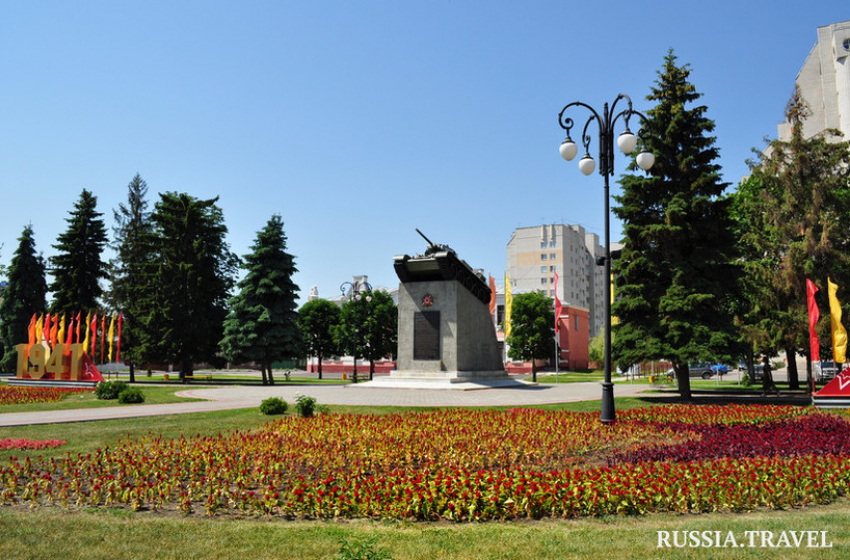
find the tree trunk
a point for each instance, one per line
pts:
(683, 379)
(793, 379)
(767, 384)
(271, 376)
(263, 372)
(132, 372)
(319, 357)
(371, 368)
(533, 371)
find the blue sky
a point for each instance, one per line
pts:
(360, 121)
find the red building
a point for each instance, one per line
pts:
(574, 338)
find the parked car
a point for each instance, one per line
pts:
(826, 371)
(699, 369)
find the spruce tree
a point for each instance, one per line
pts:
(25, 296)
(675, 274)
(318, 319)
(130, 288)
(262, 325)
(190, 278)
(78, 268)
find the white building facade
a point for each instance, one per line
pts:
(824, 83)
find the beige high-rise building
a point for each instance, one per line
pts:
(824, 83)
(536, 253)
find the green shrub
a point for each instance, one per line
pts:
(131, 395)
(361, 549)
(305, 406)
(273, 405)
(108, 390)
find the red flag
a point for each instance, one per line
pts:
(102, 337)
(558, 307)
(118, 342)
(93, 332)
(45, 330)
(79, 315)
(814, 315)
(69, 336)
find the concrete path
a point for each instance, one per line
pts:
(234, 397)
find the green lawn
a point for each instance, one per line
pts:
(111, 534)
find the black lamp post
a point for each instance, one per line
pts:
(355, 293)
(627, 143)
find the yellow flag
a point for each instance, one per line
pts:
(88, 332)
(60, 338)
(508, 304)
(111, 334)
(39, 329)
(839, 335)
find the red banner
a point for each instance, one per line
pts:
(814, 315)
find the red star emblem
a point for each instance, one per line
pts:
(427, 300)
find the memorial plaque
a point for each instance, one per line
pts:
(426, 335)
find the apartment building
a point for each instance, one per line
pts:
(536, 253)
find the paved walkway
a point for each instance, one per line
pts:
(235, 397)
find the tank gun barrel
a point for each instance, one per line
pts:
(431, 243)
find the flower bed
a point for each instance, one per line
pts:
(10, 443)
(464, 465)
(30, 395)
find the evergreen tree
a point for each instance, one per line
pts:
(25, 296)
(381, 328)
(674, 277)
(133, 244)
(78, 268)
(262, 324)
(532, 329)
(800, 201)
(318, 319)
(190, 277)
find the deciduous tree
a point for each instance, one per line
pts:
(318, 319)
(532, 329)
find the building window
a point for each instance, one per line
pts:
(552, 268)
(542, 256)
(542, 280)
(576, 322)
(543, 268)
(552, 280)
(542, 244)
(552, 243)
(552, 256)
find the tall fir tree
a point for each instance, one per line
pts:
(25, 296)
(78, 267)
(799, 198)
(262, 325)
(318, 319)
(190, 279)
(675, 274)
(134, 253)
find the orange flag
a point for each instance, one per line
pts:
(39, 329)
(31, 329)
(45, 331)
(111, 334)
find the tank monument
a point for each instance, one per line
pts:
(446, 336)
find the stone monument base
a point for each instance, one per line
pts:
(453, 380)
